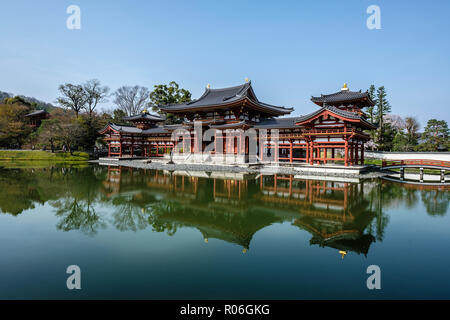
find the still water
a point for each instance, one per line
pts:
(198, 235)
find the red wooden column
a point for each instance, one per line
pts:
(307, 151)
(290, 151)
(109, 149)
(318, 155)
(357, 153)
(325, 155)
(351, 154)
(276, 152)
(346, 152)
(194, 142)
(215, 142)
(362, 154)
(261, 147)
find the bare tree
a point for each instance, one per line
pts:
(73, 97)
(395, 121)
(95, 94)
(131, 99)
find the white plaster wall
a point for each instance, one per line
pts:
(442, 156)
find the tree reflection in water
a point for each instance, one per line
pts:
(342, 215)
(78, 215)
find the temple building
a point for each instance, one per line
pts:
(231, 125)
(35, 118)
(337, 125)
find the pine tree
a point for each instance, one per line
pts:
(383, 108)
(435, 136)
(371, 109)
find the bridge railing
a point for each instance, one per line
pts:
(415, 162)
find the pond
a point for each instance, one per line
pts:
(207, 235)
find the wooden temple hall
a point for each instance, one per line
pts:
(231, 125)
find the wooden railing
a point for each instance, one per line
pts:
(415, 162)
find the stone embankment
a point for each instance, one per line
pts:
(332, 171)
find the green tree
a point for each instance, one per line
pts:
(13, 128)
(118, 115)
(400, 142)
(167, 95)
(20, 101)
(435, 136)
(89, 127)
(49, 133)
(71, 135)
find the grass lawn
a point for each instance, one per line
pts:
(28, 155)
(373, 161)
(39, 164)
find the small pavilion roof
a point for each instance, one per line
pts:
(133, 130)
(36, 113)
(352, 116)
(145, 116)
(216, 98)
(343, 96)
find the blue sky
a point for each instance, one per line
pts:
(289, 49)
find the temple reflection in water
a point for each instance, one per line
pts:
(233, 207)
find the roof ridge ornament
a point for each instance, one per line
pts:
(344, 88)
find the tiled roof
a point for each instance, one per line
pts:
(342, 96)
(125, 129)
(35, 113)
(225, 96)
(155, 130)
(337, 111)
(230, 125)
(277, 123)
(145, 116)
